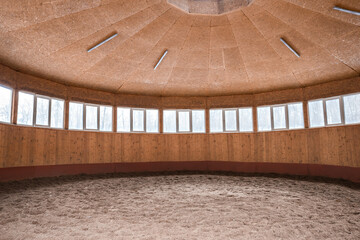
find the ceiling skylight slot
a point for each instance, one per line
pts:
(101, 43)
(289, 47)
(346, 10)
(162, 57)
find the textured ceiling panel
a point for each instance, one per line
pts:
(232, 53)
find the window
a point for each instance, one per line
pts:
(137, 120)
(90, 117)
(245, 120)
(123, 119)
(57, 113)
(76, 116)
(333, 113)
(216, 120)
(42, 111)
(352, 108)
(152, 120)
(327, 112)
(91, 114)
(184, 121)
(5, 104)
(231, 120)
(106, 118)
(280, 117)
(198, 121)
(169, 124)
(264, 118)
(316, 113)
(25, 109)
(296, 115)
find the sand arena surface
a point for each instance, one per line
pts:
(194, 206)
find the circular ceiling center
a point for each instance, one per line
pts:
(209, 6)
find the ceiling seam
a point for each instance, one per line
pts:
(237, 46)
(77, 41)
(56, 18)
(321, 13)
(281, 59)
(319, 46)
(129, 37)
(182, 46)
(153, 45)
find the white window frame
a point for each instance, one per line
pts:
(237, 110)
(286, 105)
(35, 111)
(343, 108)
(85, 114)
(132, 119)
(178, 122)
(11, 105)
(286, 117)
(252, 119)
(112, 120)
(117, 112)
(145, 117)
(36, 96)
(224, 120)
(342, 112)
(84, 117)
(190, 121)
(63, 125)
(271, 118)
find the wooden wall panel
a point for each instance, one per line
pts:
(27, 146)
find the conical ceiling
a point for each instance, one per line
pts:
(234, 53)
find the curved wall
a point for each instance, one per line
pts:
(27, 152)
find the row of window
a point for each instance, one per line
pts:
(36, 110)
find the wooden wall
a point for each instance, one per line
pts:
(29, 146)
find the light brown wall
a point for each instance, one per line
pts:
(29, 146)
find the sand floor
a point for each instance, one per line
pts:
(195, 206)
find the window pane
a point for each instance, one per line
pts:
(5, 104)
(152, 120)
(76, 116)
(230, 120)
(198, 121)
(106, 116)
(333, 111)
(316, 113)
(25, 109)
(216, 120)
(264, 118)
(169, 121)
(296, 115)
(279, 117)
(352, 109)
(184, 121)
(57, 113)
(246, 119)
(42, 111)
(91, 117)
(138, 120)
(123, 119)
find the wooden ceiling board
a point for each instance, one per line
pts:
(234, 53)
